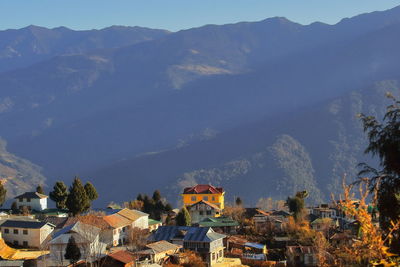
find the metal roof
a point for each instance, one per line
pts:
(185, 233)
(162, 246)
(218, 222)
(25, 224)
(31, 195)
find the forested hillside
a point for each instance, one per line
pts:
(272, 103)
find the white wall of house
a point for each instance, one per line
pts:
(38, 204)
(141, 223)
(33, 238)
(89, 250)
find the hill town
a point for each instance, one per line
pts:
(204, 231)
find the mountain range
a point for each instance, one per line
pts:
(262, 108)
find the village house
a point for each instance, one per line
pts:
(32, 234)
(158, 252)
(120, 258)
(306, 256)
(341, 239)
(117, 226)
(32, 201)
(203, 240)
(209, 193)
(203, 209)
(86, 236)
(242, 248)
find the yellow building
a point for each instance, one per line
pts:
(209, 193)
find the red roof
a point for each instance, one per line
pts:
(203, 189)
(122, 256)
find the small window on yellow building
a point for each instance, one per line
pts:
(193, 198)
(213, 198)
(205, 198)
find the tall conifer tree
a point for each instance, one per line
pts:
(59, 195)
(77, 201)
(3, 193)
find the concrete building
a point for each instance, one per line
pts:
(33, 234)
(32, 201)
(212, 194)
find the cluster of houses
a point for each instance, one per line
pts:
(127, 237)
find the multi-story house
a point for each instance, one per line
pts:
(86, 236)
(209, 193)
(204, 240)
(32, 201)
(203, 209)
(117, 226)
(33, 234)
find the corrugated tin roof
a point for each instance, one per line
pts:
(162, 246)
(25, 224)
(116, 220)
(31, 195)
(218, 222)
(132, 215)
(203, 189)
(86, 231)
(122, 256)
(186, 233)
(254, 245)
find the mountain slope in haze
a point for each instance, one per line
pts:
(78, 112)
(17, 174)
(23, 47)
(310, 149)
(126, 119)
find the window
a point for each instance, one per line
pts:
(25, 232)
(28, 200)
(194, 198)
(201, 212)
(6, 231)
(213, 256)
(15, 242)
(21, 199)
(208, 212)
(25, 243)
(123, 229)
(205, 198)
(16, 231)
(213, 198)
(220, 253)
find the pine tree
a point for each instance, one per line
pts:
(59, 195)
(40, 190)
(139, 197)
(238, 201)
(3, 192)
(72, 252)
(77, 201)
(183, 217)
(91, 191)
(156, 196)
(14, 208)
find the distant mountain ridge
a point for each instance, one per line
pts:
(87, 112)
(23, 47)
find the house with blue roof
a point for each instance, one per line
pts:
(203, 240)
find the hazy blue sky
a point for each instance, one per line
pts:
(176, 14)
